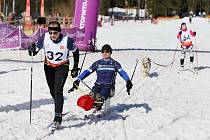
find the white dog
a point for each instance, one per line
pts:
(145, 66)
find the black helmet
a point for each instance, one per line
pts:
(106, 48)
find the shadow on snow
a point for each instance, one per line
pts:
(201, 68)
(154, 74)
(112, 115)
(26, 105)
(3, 72)
(19, 61)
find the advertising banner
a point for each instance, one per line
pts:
(5, 29)
(18, 39)
(11, 41)
(86, 18)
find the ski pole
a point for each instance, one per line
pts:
(83, 62)
(134, 69)
(174, 56)
(86, 85)
(31, 85)
(72, 89)
(196, 52)
(133, 74)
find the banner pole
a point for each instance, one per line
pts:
(20, 41)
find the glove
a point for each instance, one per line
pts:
(75, 86)
(194, 33)
(129, 85)
(32, 49)
(74, 72)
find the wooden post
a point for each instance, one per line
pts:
(0, 6)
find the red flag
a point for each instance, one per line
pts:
(28, 8)
(42, 8)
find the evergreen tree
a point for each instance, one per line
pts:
(155, 7)
(104, 6)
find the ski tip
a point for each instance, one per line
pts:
(192, 71)
(124, 118)
(52, 132)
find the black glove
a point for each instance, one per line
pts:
(74, 72)
(129, 85)
(194, 33)
(75, 85)
(32, 49)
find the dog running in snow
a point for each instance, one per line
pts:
(145, 66)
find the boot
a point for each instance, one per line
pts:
(191, 62)
(191, 65)
(55, 125)
(181, 65)
(181, 68)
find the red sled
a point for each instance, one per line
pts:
(86, 102)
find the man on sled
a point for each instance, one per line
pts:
(103, 89)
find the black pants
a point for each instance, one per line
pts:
(102, 90)
(56, 78)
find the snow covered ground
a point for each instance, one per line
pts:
(164, 106)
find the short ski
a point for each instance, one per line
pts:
(63, 114)
(193, 71)
(96, 114)
(49, 133)
(190, 70)
(91, 116)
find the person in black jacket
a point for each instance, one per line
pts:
(56, 64)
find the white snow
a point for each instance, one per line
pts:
(164, 106)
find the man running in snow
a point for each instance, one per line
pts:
(56, 64)
(106, 70)
(185, 37)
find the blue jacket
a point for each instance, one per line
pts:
(106, 70)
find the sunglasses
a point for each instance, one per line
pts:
(53, 33)
(105, 52)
